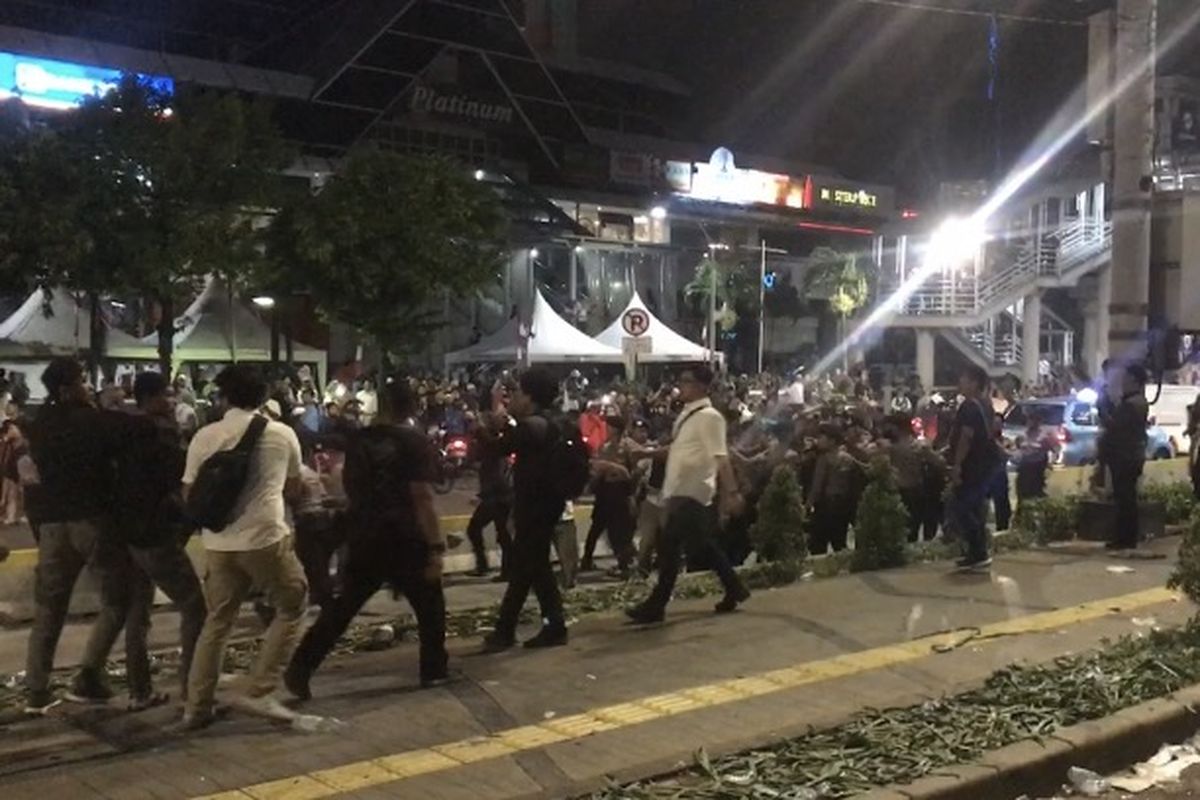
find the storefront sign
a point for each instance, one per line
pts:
(47, 83)
(630, 169)
(431, 101)
(835, 193)
(722, 181)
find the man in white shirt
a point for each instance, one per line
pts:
(254, 552)
(697, 456)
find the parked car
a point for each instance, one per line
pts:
(1076, 424)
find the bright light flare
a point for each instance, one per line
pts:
(1055, 142)
(658, 212)
(954, 242)
(264, 301)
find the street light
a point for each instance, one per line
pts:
(956, 240)
(264, 301)
(479, 174)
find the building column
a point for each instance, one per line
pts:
(1104, 286)
(1091, 337)
(1031, 335)
(925, 364)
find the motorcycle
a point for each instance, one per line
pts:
(453, 453)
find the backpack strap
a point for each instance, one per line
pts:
(253, 433)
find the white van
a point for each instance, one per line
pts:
(1171, 412)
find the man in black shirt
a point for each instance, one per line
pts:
(495, 493)
(394, 538)
(149, 472)
(73, 446)
(1122, 446)
(535, 514)
(974, 458)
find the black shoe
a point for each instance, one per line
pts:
(88, 688)
(479, 572)
(969, 564)
(38, 704)
(548, 637)
(496, 642)
(730, 602)
(501, 578)
(643, 615)
(296, 681)
(435, 679)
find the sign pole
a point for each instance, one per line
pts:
(762, 303)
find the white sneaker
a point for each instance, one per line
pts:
(266, 706)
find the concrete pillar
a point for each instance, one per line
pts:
(1133, 148)
(1104, 289)
(1031, 330)
(925, 351)
(1091, 337)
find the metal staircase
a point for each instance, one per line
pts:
(978, 309)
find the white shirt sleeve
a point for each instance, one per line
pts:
(197, 452)
(294, 458)
(712, 433)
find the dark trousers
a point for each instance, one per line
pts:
(967, 513)
(998, 494)
(318, 537)
(914, 504)
(612, 513)
(530, 569)
(689, 525)
(830, 525)
(368, 567)
(1125, 474)
(168, 567)
(494, 511)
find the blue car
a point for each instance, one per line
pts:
(1075, 423)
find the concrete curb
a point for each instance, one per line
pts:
(1039, 769)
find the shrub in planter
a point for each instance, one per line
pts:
(1187, 569)
(881, 529)
(1176, 499)
(778, 532)
(1048, 519)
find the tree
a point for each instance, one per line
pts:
(154, 192)
(881, 528)
(778, 532)
(844, 281)
(385, 237)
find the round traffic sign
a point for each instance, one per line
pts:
(635, 321)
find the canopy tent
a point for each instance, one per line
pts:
(56, 323)
(552, 340)
(665, 344)
(217, 328)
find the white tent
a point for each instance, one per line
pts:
(665, 344)
(216, 328)
(58, 324)
(552, 340)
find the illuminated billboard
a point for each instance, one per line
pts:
(47, 83)
(720, 180)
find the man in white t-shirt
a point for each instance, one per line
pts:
(696, 459)
(254, 552)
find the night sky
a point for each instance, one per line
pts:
(880, 93)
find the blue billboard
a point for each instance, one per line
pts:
(47, 83)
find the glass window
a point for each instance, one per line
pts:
(1084, 414)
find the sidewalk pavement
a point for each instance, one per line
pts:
(618, 700)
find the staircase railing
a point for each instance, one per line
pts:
(1052, 259)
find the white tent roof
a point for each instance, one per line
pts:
(59, 325)
(213, 329)
(665, 344)
(552, 340)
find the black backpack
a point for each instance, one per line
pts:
(569, 463)
(221, 479)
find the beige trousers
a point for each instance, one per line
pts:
(229, 577)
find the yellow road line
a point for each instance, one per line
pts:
(443, 757)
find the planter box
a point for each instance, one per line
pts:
(1098, 519)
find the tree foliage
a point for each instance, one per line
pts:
(778, 532)
(841, 278)
(143, 192)
(384, 239)
(881, 528)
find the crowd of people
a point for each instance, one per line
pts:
(345, 475)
